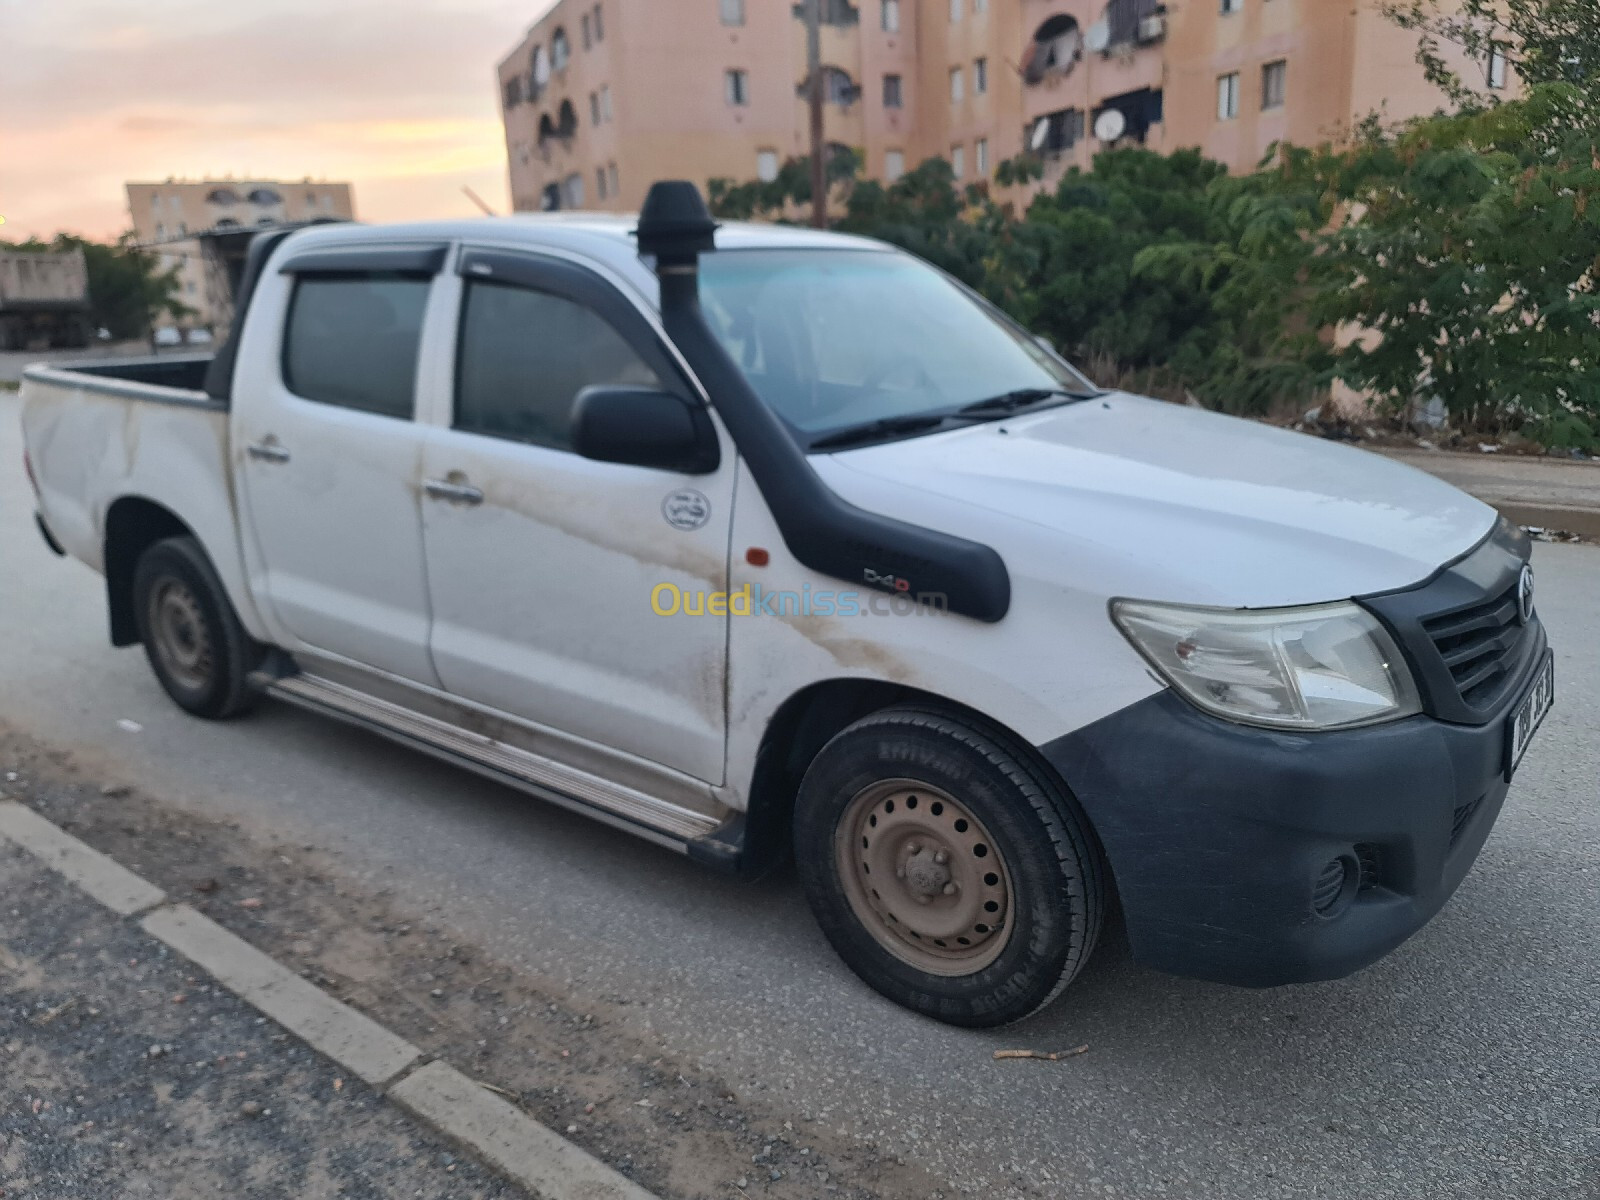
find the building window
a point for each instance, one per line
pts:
(594, 108)
(605, 103)
(560, 50)
(1274, 84)
(599, 25)
(980, 157)
(611, 178)
(891, 16)
(957, 85)
(574, 191)
(588, 24)
(1232, 6)
(600, 182)
(980, 76)
(955, 11)
(1228, 96)
(736, 87)
(893, 95)
(980, 6)
(1495, 74)
(894, 165)
(538, 73)
(766, 165)
(958, 161)
(513, 88)
(837, 87)
(733, 12)
(161, 233)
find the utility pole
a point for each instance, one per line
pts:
(819, 166)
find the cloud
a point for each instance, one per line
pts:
(384, 93)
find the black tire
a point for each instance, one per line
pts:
(1048, 890)
(192, 637)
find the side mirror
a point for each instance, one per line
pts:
(641, 427)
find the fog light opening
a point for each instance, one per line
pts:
(1336, 885)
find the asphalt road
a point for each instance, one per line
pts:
(128, 1073)
(1467, 1064)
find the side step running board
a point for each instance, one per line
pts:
(633, 811)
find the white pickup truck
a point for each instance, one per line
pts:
(763, 541)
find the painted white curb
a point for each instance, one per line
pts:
(118, 888)
(351, 1039)
(544, 1162)
(530, 1154)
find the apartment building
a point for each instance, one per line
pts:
(603, 97)
(168, 216)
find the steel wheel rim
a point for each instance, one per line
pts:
(924, 877)
(178, 631)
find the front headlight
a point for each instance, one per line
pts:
(1321, 667)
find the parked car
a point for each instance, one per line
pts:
(764, 540)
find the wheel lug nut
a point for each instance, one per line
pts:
(942, 857)
(914, 848)
(949, 889)
(900, 873)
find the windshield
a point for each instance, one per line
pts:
(834, 339)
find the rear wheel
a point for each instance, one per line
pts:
(192, 637)
(949, 871)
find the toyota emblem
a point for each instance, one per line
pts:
(1525, 595)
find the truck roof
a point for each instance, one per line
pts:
(604, 237)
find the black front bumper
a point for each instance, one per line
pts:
(1218, 834)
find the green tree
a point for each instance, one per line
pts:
(1470, 252)
(128, 289)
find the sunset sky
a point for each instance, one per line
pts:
(396, 96)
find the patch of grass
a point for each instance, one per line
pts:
(9, 385)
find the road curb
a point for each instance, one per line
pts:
(530, 1154)
(329, 1026)
(109, 882)
(546, 1163)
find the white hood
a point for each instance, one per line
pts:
(1156, 498)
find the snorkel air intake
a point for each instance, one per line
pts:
(822, 530)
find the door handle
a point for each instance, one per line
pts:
(452, 490)
(267, 450)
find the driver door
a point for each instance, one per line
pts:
(543, 565)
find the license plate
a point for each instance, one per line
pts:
(1531, 712)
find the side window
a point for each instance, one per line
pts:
(353, 340)
(524, 356)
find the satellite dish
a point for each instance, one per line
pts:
(1098, 37)
(1041, 134)
(541, 68)
(1110, 125)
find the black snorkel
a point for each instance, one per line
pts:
(822, 530)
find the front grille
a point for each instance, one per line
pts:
(1461, 631)
(1480, 646)
(1369, 859)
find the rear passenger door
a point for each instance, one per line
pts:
(330, 453)
(541, 563)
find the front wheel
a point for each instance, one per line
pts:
(948, 870)
(198, 650)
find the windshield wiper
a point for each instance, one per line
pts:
(883, 427)
(1008, 402)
